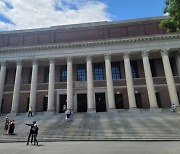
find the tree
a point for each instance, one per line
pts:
(172, 8)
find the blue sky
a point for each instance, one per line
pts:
(25, 14)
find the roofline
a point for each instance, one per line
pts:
(87, 25)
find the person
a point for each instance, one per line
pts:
(11, 127)
(30, 111)
(6, 126)
(64, 107)
(67, 114)
(31, 132)
(173, 107)
(35, 133)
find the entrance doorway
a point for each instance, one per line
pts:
(158, 98)
(45, 103)
(27, 106)
(119, 101)
(138, 100)
(81, 102)
(62, 102)
(100, 102)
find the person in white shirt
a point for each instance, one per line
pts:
(173, 107)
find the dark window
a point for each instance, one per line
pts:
(81, 73)
(45, 103)
(153, 68)
(30, 75)
(115, 71)
(46, 74)
(134, 69)
(98, 72)
(2, 105)
(63, 74)
(172, 65)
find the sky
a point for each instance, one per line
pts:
(28, 14)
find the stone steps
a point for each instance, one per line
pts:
(141, 125)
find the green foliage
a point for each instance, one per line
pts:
(172, 8)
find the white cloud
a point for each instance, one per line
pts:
(44, 13)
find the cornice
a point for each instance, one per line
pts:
(92, 43)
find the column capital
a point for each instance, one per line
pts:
(126, 55)
(69, 59)
(52, 60)
(35, 61)
(164, 52)
(3, 63)
(19, 62)
(107, 56)
(88, 57)
(145, 53)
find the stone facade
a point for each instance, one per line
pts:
(32, 60)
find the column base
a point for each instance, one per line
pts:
(11, 114)
(91, 111)
(134, 109)
(112, 110)
(155, 109)
(49, 113)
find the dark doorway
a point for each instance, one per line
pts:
(2, 106)
(62, 102)
(138, 100)
(100, 102)
(119, 101)
(158, 98)
(45, 103)
(81, 103)
(27, 106)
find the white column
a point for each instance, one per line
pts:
(169, 77)
(110, 90)
(2, 81)
(69, 84)
(51, 85)
(178, 62)
(90, 87)
(129, 81)
(149, 80)
(33, 85)
(17, 84)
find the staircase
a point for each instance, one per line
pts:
(119, 125)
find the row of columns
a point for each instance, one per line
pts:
(90, 91)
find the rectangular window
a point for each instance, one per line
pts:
(172, 65)
(81, 72)
(134, 69)
(30, 75)
(46, 74)
(63, 74)
(153, 68)
(115, 68)
(98, 72)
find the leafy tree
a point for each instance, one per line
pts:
(172, 8)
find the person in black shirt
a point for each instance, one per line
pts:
(31, 132)
(35, 133)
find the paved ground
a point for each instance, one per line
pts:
(98, 147)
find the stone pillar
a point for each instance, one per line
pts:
(169, 77)
(51, 85)
(110, 90)
(90, 87)
(149, 80)
(129, 81)
(33, 85)
(17, 84)
(69, 84)
(178, 62)
(2, 81)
